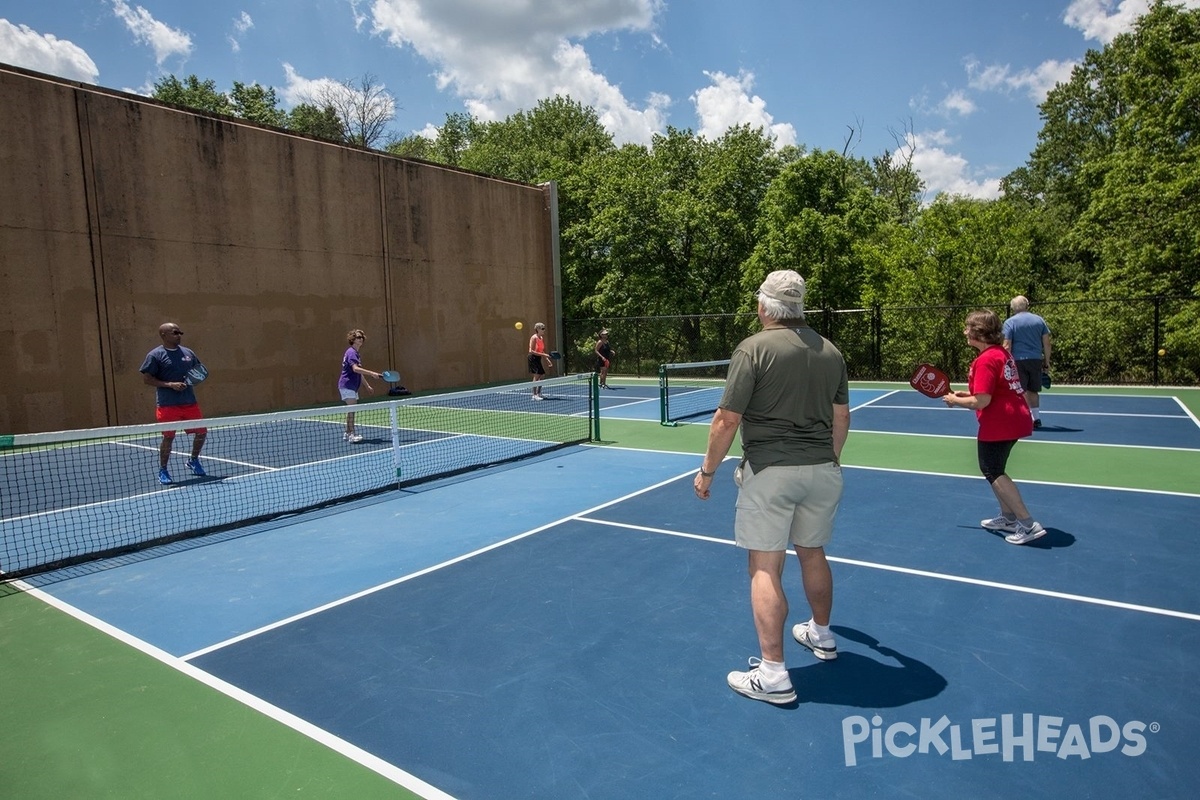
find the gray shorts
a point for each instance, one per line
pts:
(786, 504)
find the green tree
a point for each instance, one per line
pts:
(534, 146)
(814, 215)
(1116, 174)
(193, 93)
(318, 121)
(258, 104)
(667, 229)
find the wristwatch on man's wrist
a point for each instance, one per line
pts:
(704, 474)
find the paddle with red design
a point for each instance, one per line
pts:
(929, 381)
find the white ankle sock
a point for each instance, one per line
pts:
(773, 669)
(822, 631)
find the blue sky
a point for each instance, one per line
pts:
(955, 82)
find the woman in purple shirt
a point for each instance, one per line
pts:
(351, 378)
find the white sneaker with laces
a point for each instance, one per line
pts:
(824, 649)
(1000, 523)
(755, 685)
(352, 438)
(1023, 535)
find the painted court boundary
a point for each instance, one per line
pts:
(319, 735)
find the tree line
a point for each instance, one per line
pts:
(1104, 209)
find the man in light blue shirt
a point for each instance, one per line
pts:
(1027, 337)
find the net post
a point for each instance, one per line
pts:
(594, 385)
(664, 411)
(394, 424)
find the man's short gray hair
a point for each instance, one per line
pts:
(777, 309)
(1019, 303)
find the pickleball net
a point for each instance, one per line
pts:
(690, 389)
(73, 496)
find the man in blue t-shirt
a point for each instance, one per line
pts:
(1027, 337)
(166, 369)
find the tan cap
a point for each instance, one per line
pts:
(784, 285)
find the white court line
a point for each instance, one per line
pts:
(302, 726)
(1186, 410)
(1165, 612)
(1032, 440)
(875, 400)
(419, 573)
(1098, 487)
(942, 409)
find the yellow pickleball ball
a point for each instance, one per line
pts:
(1162, 352)
(519, 325)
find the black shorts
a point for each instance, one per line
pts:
(1030, 372)
(536, 365)
(993, 458)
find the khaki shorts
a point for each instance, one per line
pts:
(786, 504)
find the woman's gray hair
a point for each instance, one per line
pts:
(777, 309)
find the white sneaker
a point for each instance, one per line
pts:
(754, 684)
(1000, 523)
(352, 438)
(1023, 535)
(824, 649)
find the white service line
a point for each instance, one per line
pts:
(1166, 612)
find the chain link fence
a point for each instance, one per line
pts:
(1132, 341)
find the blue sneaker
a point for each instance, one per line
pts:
(194, 465)
(164, 477)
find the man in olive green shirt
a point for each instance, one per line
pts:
(787, 390)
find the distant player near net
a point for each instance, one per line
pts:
(166, 369)
(539, 360)
(604, 357)
(1027, 337)
(352, 378)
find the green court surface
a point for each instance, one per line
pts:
(86, 713)
(87, 716)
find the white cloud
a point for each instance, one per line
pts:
(1036, 83)
(302, 90)
(163, 39)
(241, 23)
(360, 18)
(503, 57)
(22, 46)
(1097, 20)
(727, 102)
(946, 172)
(957, 102)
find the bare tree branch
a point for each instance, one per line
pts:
(363, 105)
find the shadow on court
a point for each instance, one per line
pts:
(860, 681)
(1054, 539)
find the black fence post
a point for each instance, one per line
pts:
(876, 342)
(1157, 338)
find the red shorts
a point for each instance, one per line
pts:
(179, 414)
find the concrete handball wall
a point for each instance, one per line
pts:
(119, 213)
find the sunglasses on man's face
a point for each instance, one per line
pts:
(177, 333)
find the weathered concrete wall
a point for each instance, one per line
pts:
(119, 213)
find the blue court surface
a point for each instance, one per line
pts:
(1096, 419)
(562, 628)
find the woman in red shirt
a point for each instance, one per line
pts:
(994, 392)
